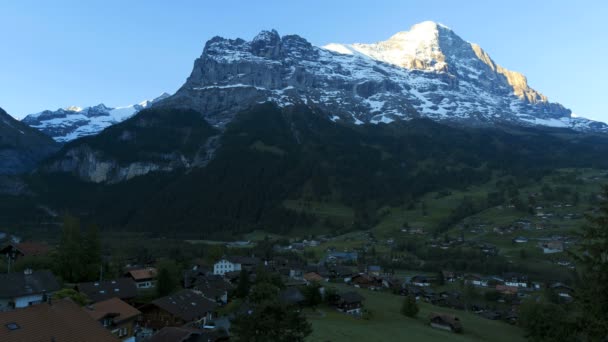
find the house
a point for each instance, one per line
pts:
(16, 251)
(213, 287)
(366, 281)
(445, 321)
(341, 257)
(374, 270)
(552, 247)
(313, 277)
(117, 316)
(183, 334)
(562, 290)
(349, 302)
(520, 239)
(507, 289)
(19, 290)
(177, 309)
(420, 280)
(476, 280)
(449, 276)
(144, 278)
(515, 279)
(232, 264)
(60, 321)
(97, 291)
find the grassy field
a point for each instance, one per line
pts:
(387, 324)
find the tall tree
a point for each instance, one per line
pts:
(271, 322)
(592, 263)
(69, 255)
(243, 285)
(166, 280)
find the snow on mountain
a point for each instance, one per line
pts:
(69, 123)
(428, 71)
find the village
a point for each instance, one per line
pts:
(203, 304)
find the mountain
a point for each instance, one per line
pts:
(69, 123)
(261, 125)
(428, 71)
(21, 147)
(248, 175)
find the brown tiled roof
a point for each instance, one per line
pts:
(313, 276)
(61, 321)
(186, 304)
(115, 307)
(123, 288)
(33, 248)
(447, 318)
(143, 273)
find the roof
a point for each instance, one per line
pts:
(212, 286)
(30, 248)
(447, 318)
(141, 274)
(186, 304)
(61, 321)
(115, 307)
(123, 288)
(312, 276)
(351, 297)
(21, 284)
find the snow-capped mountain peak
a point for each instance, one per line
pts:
(426, 71)
(72, 122)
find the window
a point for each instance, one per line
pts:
(12, 326)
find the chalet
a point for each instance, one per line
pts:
(374, 270)
(562, 290)
(520, 239)
(420, 280)
(515, 279)
(476, 280)
(183, 334)
(16, 251)
(97, 291)
(144, 278)
(20, 290)
(507, 290)
(349, 302)
(177, 309)
(552, 247)
(61, 320)
(445, 321)
(213, 287)
(449, 276)
(231, 264)
(313, 277)
(366, 281)
(341, 257)
(410, 290)
(117, 316)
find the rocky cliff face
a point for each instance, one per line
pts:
(21, 147)
(427, 71)
(67, 124)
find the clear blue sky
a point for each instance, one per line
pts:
(60, 53)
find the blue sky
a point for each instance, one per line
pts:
(61, 53)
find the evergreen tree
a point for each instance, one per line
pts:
(312, 293)
(409, 307)
(271, 321)
(243, 285)
(166, 280)
(70, 254)
(592, 262)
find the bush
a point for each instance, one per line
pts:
(409, 307)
